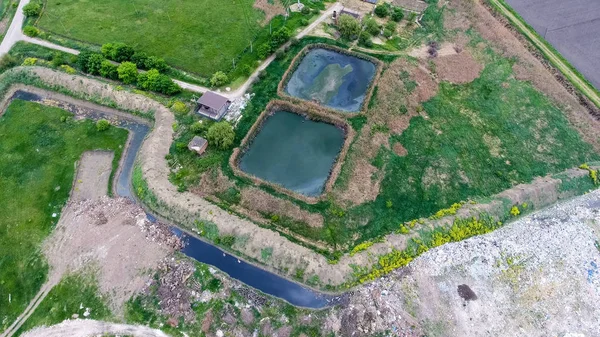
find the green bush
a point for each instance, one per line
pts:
(220, 135)
(95, 62)
(382, 10)
(128, 72)
(68, 69)
(32, 9)
(180, 107)
(219, 79)
(349, 27)
(397, 14)
(365, 40)
(263, 50)
(109, 70)
(102, 125)
(31, 31)
(372, 27)
(305, 10)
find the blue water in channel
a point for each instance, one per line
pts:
(201, 251)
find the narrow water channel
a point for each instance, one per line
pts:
(260, 279)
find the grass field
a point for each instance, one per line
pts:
(37, 153)
(65, 300)
(480, 139)
(198, 36)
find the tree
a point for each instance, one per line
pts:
(148, 80)
(382, 10)
(140, 58)
(219, 79)
(365, 40)
(390, 29)
(153, 62)
(372, 27)
(109, 70)
(82, 60)
(221, 135)
(349, 27)
(31, 31)
(118, 52)
(102, 125)
(127, 72)
(108, 50)
(397, 14)
(95, 63)
(32, 9)
(263, 50)
(279, 37)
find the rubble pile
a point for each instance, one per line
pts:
(175, 296)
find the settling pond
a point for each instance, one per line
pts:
(256, 277)
(333, 79)
(294, 152)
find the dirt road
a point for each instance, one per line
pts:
(15, 34)
(87, 328)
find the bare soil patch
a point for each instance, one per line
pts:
(271, 10)
(457, 68)
(93, 173)
(261, 201)
(111, 234)
(399, 149)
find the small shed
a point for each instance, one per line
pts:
(198, 144)
(213, 105)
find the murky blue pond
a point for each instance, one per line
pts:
(294, 152)
(332, 79)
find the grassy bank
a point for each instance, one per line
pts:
(66, 300)
(38, 148)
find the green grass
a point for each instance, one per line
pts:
(37, 156)
(66, 299)
(199, 36)
(480, 139)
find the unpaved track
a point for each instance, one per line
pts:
(88, 328)
(584, 87)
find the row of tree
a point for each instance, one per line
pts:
(97, 64)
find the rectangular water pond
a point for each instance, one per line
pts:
(294, 152)
(333, 79)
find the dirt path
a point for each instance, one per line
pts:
(88, 328)
(112, 234)
(15, 34)
(554, 58)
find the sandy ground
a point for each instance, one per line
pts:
(88, 328)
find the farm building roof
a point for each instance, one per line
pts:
(350, 12)
(213, 100)
(371, 1)
(197, 143)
